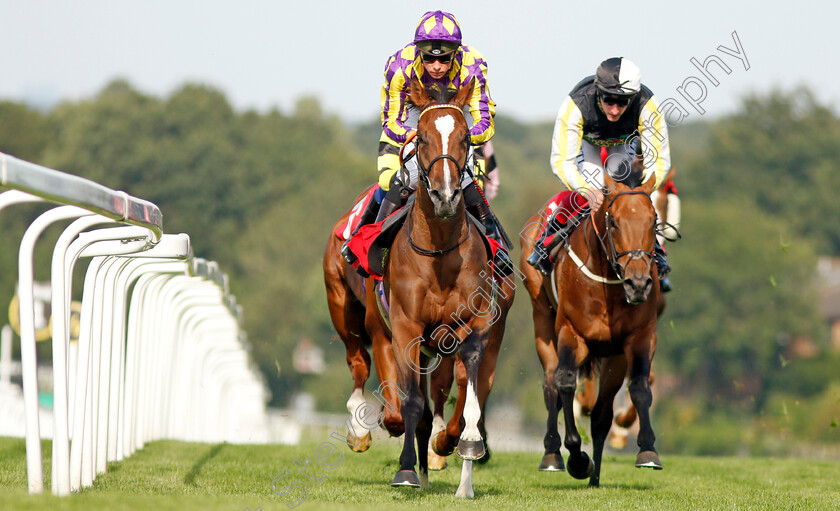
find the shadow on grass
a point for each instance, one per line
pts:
(582, 485)
(189, 479)
(435, 488)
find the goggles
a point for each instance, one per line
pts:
(444, 58)
(616, 100)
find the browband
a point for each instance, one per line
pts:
(435, 107)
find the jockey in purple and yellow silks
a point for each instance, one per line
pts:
(436, 40)
(436, 57)
(610, 112)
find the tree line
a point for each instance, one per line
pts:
(259, 192)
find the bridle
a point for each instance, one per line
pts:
(423, 177)
(609, 248)
(423, 170)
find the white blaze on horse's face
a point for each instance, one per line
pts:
(445, 126)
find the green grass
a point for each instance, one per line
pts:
(170, 475)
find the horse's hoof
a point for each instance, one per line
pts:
(581, 468)
(463, 493)
(484, 459)
(470, 449)
(552, 462)
(618, 438)
(360, 445)
(436, 462)
(648, 459)
(406, 478)
(436, 445)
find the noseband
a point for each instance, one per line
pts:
(609, 249)
(423, 170)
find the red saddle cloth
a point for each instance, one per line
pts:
(372, 254)
(346, 229)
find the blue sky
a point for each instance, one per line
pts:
(268, 54)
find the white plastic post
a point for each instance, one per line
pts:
(61, 284)
(29, 362)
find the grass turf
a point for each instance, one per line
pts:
(180, 476)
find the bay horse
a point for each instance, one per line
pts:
(355, 313)
(600, 321)
(668, 214)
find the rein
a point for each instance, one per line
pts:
(425, 252)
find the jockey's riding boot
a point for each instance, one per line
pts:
(557, 233)
(349, 256)
(386, 208)
(662, 267)
(477, 206)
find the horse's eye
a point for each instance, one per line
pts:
(612, 224)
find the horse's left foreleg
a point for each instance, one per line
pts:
(471, 445)
(579, 466)
(639, 355)
(612, 377)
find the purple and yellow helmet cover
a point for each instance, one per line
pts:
(438, 26)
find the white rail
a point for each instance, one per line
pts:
(160, 351)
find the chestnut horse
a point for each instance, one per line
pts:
(600, 321)
(347, 300)
(429, 295)
(668, 214)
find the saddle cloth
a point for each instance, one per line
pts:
(372, 243)
(346, 229)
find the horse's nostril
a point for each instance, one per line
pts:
(435, 194)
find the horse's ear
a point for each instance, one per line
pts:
(648, 185)
(417, 94)
(609, 182)
(669, 176)
(465, 94)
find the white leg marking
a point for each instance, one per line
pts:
(465, 489)
(437, 426)
(357, 398)
(472, 413)
(445, 125)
